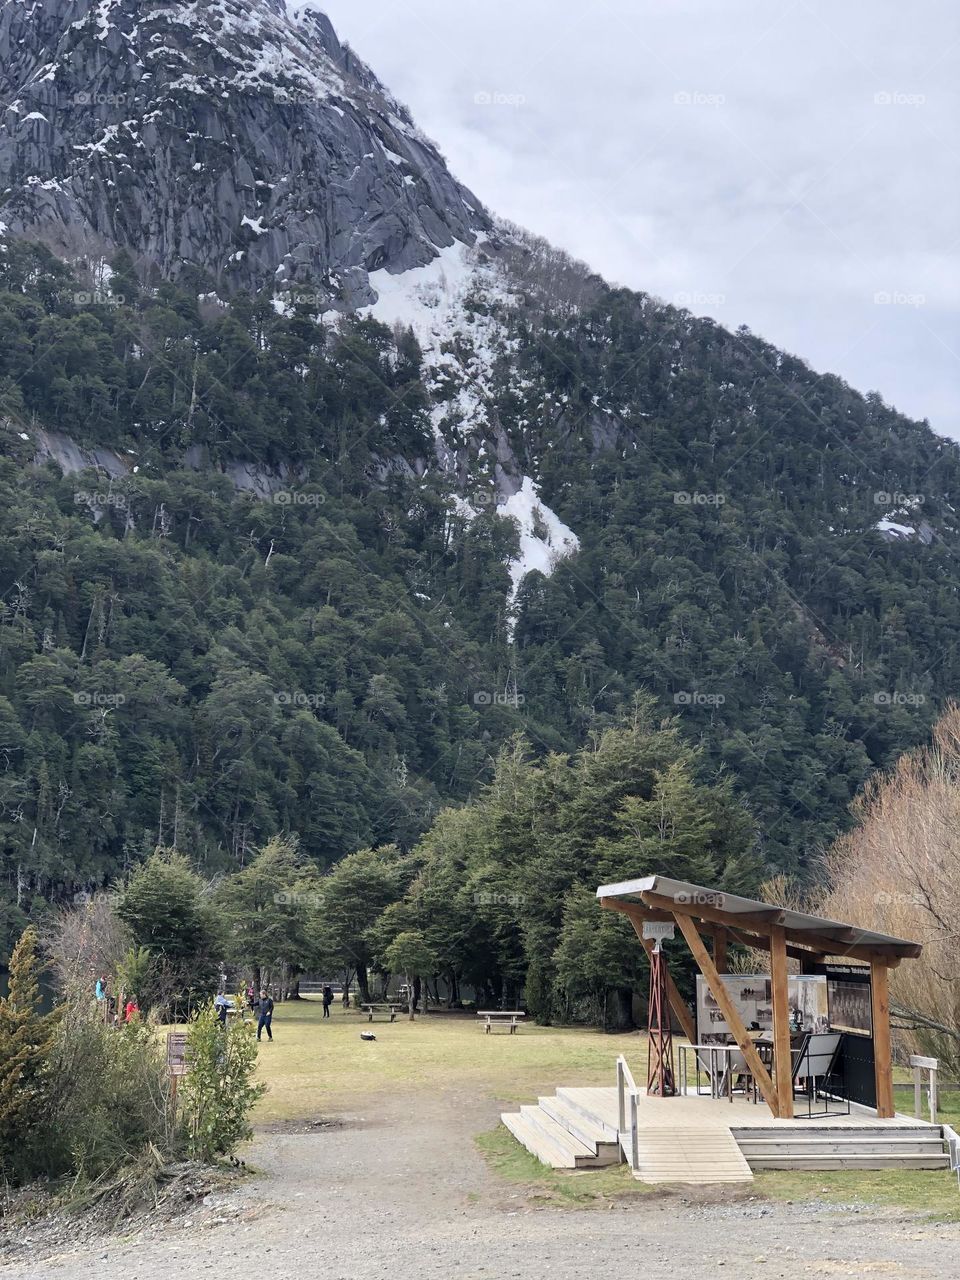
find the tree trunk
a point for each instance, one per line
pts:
(411, 999)
(618, 1010)
(363, 986)
(420, 990)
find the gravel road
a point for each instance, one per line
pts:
(398, 1191)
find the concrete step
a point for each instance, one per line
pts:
(537, 1142)
(849, 1161)
(589, 1131)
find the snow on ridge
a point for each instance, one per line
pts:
(886, 525)
(431, 301)
(544, 539)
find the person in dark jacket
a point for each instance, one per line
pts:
(264, 1008)
(327, 1001)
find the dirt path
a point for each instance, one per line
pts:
(398, 1190)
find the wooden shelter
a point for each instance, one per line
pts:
(704, 914)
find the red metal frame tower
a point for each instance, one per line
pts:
(661, 1081)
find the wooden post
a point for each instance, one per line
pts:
(720, 948)
(677, 1003)
(882, 1046)
(917, 1094)
(782, 1058)
(730, 1013)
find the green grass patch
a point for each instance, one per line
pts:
(576, 1189)
(929, 1191)
(948, 1104)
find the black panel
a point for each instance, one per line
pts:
(856, 1068)
(856, 1051)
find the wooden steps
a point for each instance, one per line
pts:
(597, 1105)
(561, 1136)
(591, 1132)
(831, 1148)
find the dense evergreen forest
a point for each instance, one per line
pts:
(184, 664)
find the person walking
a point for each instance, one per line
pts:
(327, 1000)
(265, 1015)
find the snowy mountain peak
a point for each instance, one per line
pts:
(237, 141)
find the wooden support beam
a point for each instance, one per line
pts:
(782, 1059)
(759, 920)
(628, 908)
(882, 1046)
(730, 1012)
(720, 948)
(802, 943)
(758, 943)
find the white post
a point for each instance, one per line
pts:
(917, 1094)
(933, 1095)
(621, 1096)
(634, 1135)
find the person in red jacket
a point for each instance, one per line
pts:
(132, 1010)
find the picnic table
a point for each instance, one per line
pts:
(500, 1018)
(388, 1012)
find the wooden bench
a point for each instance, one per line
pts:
(387, 1012)
(509, 1018)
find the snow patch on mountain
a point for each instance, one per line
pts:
(454, 306)
(544, 539)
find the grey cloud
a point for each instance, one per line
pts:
(783, 166)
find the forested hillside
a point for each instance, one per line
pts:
(338, 652)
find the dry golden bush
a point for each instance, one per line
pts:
(898, 871)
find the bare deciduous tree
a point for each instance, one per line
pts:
(898, 872)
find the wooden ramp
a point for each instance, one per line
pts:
(699, 1156)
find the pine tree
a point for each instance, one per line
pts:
(26, 1044)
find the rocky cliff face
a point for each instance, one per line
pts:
(238, 139)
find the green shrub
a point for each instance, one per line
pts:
(110, 1094)
(26, 1044)
(219, 1091)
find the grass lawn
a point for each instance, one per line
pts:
(316, 1067)
(927, 1191)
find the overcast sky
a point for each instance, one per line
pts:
(791, 166)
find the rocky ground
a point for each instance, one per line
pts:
(397, 1190)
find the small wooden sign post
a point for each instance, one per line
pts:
(177, 1063)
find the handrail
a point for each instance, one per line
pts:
(626, 1085)
(625, 1081)
(952, 1139)
(930, 1066)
